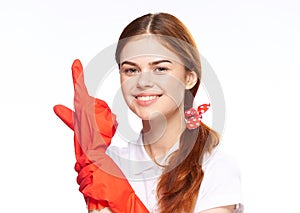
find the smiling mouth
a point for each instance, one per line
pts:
(145, 100)
(147, 97)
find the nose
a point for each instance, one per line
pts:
(145, 79)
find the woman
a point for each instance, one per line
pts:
(176, 155)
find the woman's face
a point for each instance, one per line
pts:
(153, 79)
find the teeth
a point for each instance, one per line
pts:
(147, 98)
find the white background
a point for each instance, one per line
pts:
(253, 47)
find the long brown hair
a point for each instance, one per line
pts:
(180, 182)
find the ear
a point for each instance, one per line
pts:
(191, 79)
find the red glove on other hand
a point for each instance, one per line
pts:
(104, 181)
(94, 125)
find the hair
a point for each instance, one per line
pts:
(179, 184)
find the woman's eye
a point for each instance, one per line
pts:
(130, 71)
(161, 69)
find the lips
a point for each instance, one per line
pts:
(147, 99)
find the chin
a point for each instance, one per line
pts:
(154, 115)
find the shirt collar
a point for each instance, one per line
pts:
(141, 165)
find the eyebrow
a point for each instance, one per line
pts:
(151, 63)
(160, 61)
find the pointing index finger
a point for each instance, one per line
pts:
(78, 78)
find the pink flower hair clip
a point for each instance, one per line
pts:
(193, 117)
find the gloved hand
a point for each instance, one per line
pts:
(94, 125)
(66, 115)
(104, 181)
(97, 120)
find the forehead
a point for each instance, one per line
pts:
(149, 46)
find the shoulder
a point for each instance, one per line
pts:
(221, 185)
(218, 162)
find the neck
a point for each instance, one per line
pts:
(161, 133)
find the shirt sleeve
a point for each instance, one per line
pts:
(221, 185)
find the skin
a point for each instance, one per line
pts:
(158, 73)
(165, 79)
(153, 70)
(224, 209)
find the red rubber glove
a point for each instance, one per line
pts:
(94, 125)
(66, 115)
(100, 121)
(103, 180)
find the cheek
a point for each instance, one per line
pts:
(127, 85)
(173, 87)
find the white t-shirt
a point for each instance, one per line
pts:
(221, 185)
